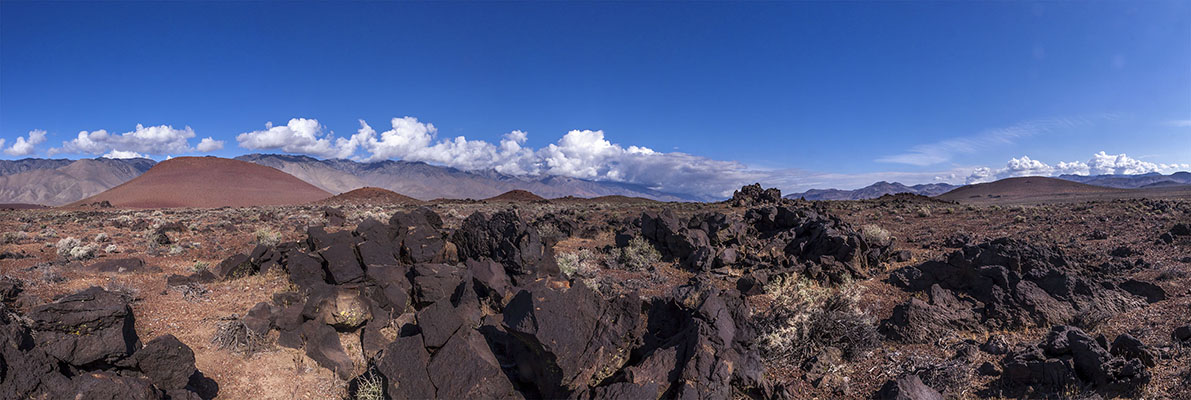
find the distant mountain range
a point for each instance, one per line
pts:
(427, 182)
(58, 182)
(1150, 180)
(873, 191)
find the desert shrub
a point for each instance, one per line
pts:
(82, 252)
(580, 264)
(101, 237)
(378, 215)
(267, 237)
(111, 249)
(1171, 272)
(370, 386)
(875, 234)
(1019, 219)
(639, 255)
(191, 292)
(15, 237)
(71, 248)
(49, 233)
(806, 318)
(924, 212)
(49, 273)
(232, 334)
(198, 266)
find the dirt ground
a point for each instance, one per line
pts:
(1087, 232)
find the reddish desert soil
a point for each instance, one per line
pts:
(920, 225)
(209, 182)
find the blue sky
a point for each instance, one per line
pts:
(797, 95)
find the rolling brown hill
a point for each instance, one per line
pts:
(209, 182)
(516, 196)
(370, 196)
(1037, 190)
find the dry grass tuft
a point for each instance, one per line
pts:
(232, 334)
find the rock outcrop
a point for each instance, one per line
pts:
(1070, 358)
(85, 345)
(485, 314)
(1003, 284)
(770, 240)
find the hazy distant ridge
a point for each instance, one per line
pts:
(873, 191)
(427, 182)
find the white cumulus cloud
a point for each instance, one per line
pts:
(23, 146)
(1101, 163)
(118, 154)
(209, 144)
(154, 140)
(299, 136)
(582, 154)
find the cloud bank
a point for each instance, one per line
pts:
(25, 146)
(144, 140)
(299, 136)
(584, 154)
(1101, 163)
(589, 154)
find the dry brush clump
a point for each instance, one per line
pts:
(233, 334)
(806, 318)
(267, 237)
(71, 248)
(875, 234)
(638, 256)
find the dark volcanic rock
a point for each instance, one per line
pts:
(306, 271)
(418, 233)
(579, 338)
(199, 277)
(108, 385)
(433, 282)
(167, 362)
(123, 265)
(507, 239)
(1068, 357)
(92, 326)
(10, 288)
(752, 195)
(85, 346)
(394, 294)
(323, 346)
(236, 266)
(403, 363)
(908, 387)
(334, 216)
(343, 266)
(1010, 283)
(779, 237)
(917, 321)
(465, 368)
(1146, 290)
(1181, 334)
(438, 322)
